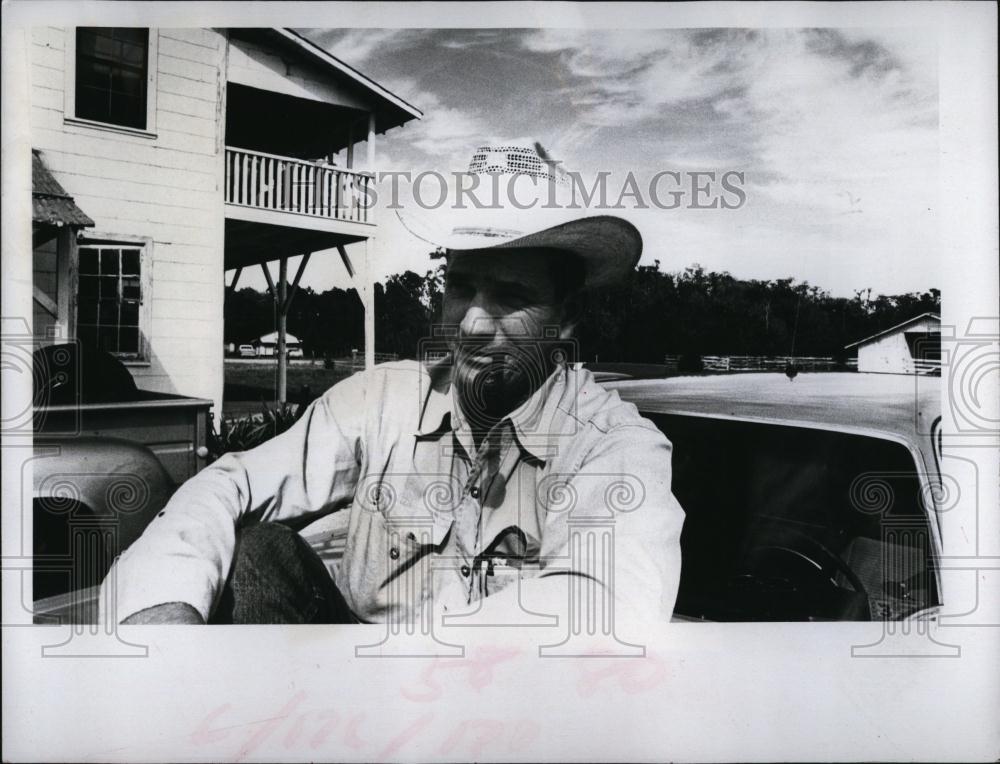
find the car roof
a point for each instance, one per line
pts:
(903, 406)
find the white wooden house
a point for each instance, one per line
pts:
(912, 347)
(167, 157)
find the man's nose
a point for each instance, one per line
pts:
(479, 320)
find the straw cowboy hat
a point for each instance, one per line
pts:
(524, 199)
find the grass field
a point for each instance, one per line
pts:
(251, 381)
(248, 382)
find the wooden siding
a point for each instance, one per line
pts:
(166, 186)
(252, 65)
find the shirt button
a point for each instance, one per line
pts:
(466, 571)
(474, 493)
(394, 553)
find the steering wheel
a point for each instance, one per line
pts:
(826, 563)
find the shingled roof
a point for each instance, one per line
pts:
(50, 204)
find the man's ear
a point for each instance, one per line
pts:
(570, 317)
(572, 309)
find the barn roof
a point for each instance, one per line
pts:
(272, 339)
(895, 328)
(50, 204)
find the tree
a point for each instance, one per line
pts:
(691, 312)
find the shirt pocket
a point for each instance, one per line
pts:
(415, 508)
(426, 509)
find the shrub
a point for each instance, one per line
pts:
(246, 432)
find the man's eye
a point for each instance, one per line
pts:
(515, 298)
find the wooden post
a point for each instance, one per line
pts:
(369, 303)
(282, 317)
(350, 147)
(236, 277)
(371, 142)
(366, 291)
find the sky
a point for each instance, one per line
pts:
(836, 131)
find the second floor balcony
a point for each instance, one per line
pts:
(299, 126)
(278, 206)
(270, 183)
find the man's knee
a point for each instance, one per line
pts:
(276, 577)
(265, 544)
(274, 552)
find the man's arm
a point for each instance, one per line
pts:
(181, 561)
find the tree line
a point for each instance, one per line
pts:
(686, 313)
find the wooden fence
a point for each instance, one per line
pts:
(772, 363)
(358, 359)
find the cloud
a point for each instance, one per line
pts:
(357, 46)
(836, 130)
(444, 131)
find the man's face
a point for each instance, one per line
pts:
(502, 301)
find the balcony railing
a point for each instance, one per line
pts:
(285, 184)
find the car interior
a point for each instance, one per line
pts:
(789, 523)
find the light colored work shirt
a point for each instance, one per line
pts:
(573, 483)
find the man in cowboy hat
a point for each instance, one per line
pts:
(492, 484)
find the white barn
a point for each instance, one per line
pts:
(267, 345)
(912, 347)
(167, 157)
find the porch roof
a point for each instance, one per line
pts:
(50, 204)
(390, 110)
(252, 243)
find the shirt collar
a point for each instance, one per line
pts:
(436, 414)
(532, 421)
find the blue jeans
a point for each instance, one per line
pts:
(277, 577)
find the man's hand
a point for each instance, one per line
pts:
(170, 612)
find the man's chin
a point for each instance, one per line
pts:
(489, 390)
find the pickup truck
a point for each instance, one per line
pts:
(106, 457)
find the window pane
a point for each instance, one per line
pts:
(86, 311)
(111, 65)
(108, 313)
(94, 41)
(103, 45)
(130, 314)
(133, 54)
(131, 35)
(89, 287)
(128, 111)
(128, 340)
(93, 74)
(764, 504)
(130, 261)
(107, 338)
(109, 300)
(127, 82)
(88, 260)
(131, 289)
(92, 104)
(109, 262)
(109, 287)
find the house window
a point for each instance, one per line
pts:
(110, 298)
(111, 75)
